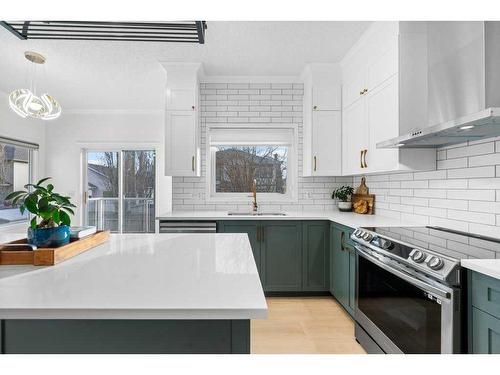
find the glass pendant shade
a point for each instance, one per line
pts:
(26, 103)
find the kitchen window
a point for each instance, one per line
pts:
(238, 156)
(16, 170)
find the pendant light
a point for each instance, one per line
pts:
(26, 103)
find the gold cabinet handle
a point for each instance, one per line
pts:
(361, 158)
(364, 158)
(85, 197)
(315, 164)
(192, 163)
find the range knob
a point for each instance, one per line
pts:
(358, 233)
(435, 263)
(417, 256)
(367, 237)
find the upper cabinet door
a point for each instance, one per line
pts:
(354, 138)
(382, 64)
(383, 123)
(354, 82)
(326, 141)
(181, 151)
(181, 99)
(326, 98)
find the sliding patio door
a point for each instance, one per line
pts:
(120, 190)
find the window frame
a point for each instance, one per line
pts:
(86, 147)
(33, 149)
(292, 167)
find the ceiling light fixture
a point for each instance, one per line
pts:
(26, 103)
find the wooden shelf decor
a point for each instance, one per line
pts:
(49, 256)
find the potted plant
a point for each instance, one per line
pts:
(49, 226)
(343, 194)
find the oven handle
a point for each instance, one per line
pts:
(416, 282)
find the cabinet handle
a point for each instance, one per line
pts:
(192, 163)
(342, 235)
(193, 107)
(315, 107)
(364, 158)
(361, 158)
(361, 92)
(315, 164)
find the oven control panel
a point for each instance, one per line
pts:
(423, 260)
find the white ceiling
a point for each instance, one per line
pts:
(126, 75)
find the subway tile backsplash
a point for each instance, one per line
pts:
(462, 194)
(253, 103)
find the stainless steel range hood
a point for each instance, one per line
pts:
(463, 86)
(483, 124)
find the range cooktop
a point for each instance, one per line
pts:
(433, 251)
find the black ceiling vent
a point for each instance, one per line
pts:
(177, 32)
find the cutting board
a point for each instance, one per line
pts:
(364, 202)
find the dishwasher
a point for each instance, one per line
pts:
(188, 226)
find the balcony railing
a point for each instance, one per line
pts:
(138, 214)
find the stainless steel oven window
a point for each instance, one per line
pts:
(393, 306)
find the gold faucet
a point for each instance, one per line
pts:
(254, 193)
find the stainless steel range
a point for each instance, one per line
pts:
(410, 288)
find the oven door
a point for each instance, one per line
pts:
(401, 313)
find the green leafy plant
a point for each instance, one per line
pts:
(343, 193)
(50, 209)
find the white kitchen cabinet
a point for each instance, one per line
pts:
(181, 99)
(354, 138)
(182, 123)
(322, 128)
(326, 150)
(182, 153)
(377, 104)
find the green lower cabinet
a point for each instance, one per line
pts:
(282, 256)
(485, 333)
(252, 228)
(342, 267)
(291, 255)
(315, 245)
(484, 314)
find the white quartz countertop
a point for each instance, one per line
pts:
(489, 267)
(349, 219)
(141, 276)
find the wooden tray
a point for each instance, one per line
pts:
(51, 256)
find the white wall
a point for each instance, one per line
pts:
(76, 130)
(30, 130)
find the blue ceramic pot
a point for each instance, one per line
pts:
(49, 237)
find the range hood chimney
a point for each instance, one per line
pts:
(463, 86)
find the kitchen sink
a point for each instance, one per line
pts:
(246, 213)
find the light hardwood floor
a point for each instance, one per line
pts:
(304, 326)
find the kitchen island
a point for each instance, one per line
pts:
(154, 293)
